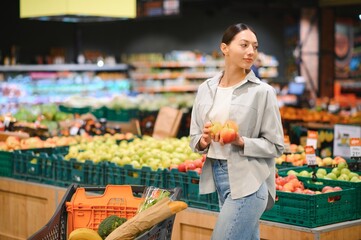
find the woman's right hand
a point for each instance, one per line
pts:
(206, 136)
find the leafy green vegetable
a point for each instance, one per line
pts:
(152, 196)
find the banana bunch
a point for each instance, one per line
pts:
(84, 234)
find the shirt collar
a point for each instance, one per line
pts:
(214, 81)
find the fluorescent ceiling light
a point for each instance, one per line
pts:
(78, 10)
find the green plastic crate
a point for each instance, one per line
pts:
(35, 167)
(121, 115)
(286, 166)
(83, 173)
(342, 184)
(99, 112)
(189, 182)
(6, 164)
(127, 174)
(313, 210)
(74, 110)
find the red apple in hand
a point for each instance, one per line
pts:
(228, 134)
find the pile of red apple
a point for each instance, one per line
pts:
(227, 132)
(292, 184)
(194, 165)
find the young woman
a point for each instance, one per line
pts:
(241, 171)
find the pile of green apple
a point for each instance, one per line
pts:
(341, 172)
(141, 152)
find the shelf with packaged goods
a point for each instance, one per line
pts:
(186, 75)
(63, 67)
(36, 84)
(189, 88)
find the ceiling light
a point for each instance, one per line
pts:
(77, 10)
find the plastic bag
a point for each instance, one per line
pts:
(152, 195)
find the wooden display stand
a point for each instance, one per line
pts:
(26, 207)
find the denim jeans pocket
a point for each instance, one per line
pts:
(262, 192)
(223, 165)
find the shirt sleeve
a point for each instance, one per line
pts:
(196, 128)
(270, 142)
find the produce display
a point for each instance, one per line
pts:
(292, 184)
(319, 116)
(341, 172)
(141, 152)
(297, 157)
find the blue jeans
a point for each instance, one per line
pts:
(238, 218)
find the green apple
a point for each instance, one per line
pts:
(322, 171)
(345, 171)
(353, 174)
(216, 128)
(336, 171)
(355, 179)
(304, 173)
(343, 177)
(292, 172)
(331, 175)
(342, 165)
(320, 175)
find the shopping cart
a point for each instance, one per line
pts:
(56, 228)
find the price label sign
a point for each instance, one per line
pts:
(287, 144)
(74, 131)
(355, 147)
(310, 155)
(312, 137)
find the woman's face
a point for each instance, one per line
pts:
(243, 49)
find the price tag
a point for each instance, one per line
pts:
(287, 144)
(310, 155)
(312, 137)
(355, 147)
(73, 131)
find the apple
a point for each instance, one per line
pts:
(327, 189)
(327, 161)
(322, 171)
(292, 172)
(215, 128)
(342, 165)
(337, 188)
(345, 171)
(231, 124)
(331, 175)
(228, 134)
(198, 170)
(173, 166)
(182, 167)
(190, 166)
(355, 179)
(204, 157)
(198, 162)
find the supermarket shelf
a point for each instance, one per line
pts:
(188, 88)
(173, 75)
(62, 67)
(179, 64)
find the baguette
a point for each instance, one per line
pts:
(147, 219)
